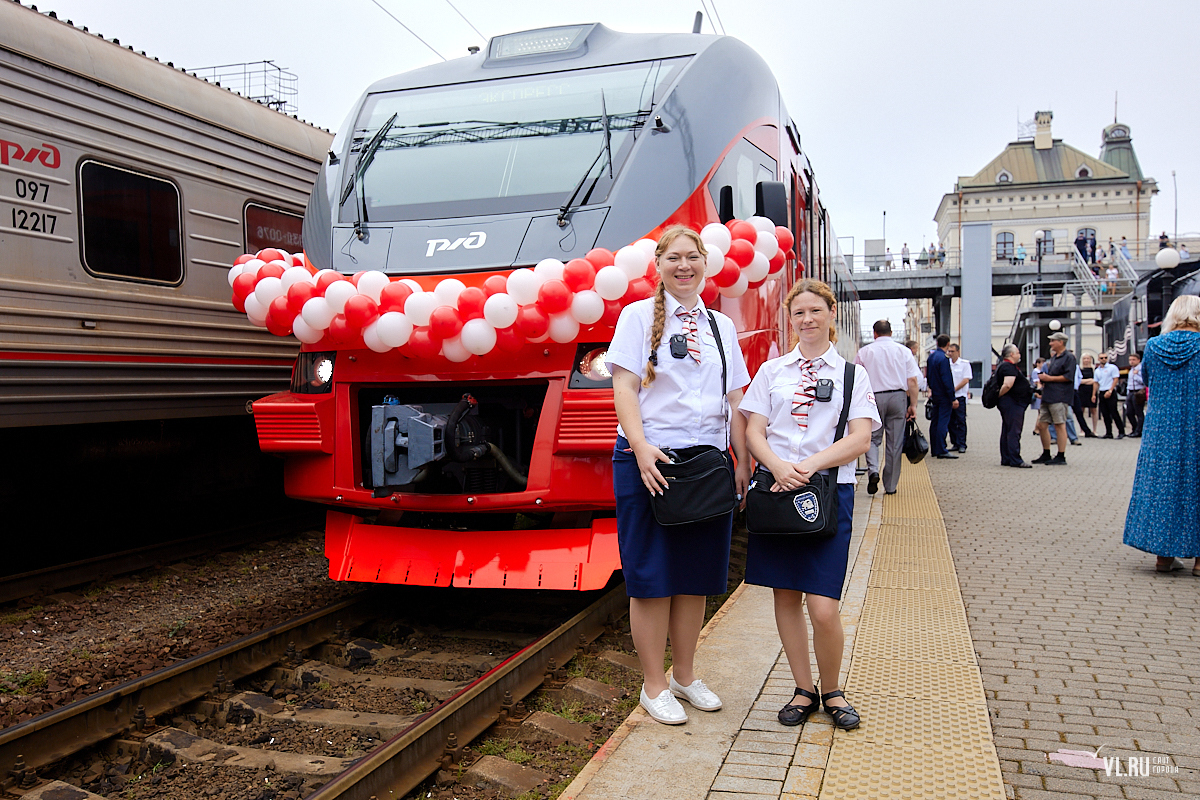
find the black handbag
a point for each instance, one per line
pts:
(810, 511)
(916, 446)
(700, 482)
(929, 409)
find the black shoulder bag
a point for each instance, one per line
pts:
(810, 511)
(700, 480)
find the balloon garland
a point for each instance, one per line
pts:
(285, 294)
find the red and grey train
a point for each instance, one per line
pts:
(495, 470)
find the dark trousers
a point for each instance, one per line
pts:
(1111, 413)
(1077, 406)
(1135, 410)
(958, 423)
(1012, 419)
(940, 425)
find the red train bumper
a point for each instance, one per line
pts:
(566, 558)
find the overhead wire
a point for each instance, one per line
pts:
(711, 23)
(464, 18)
(717, 14)
(410, 30)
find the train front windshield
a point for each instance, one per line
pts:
(506, 145)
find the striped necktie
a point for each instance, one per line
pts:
(806, 390)
(688, 318)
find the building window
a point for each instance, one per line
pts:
(953, 202)
(976, 201)
(130, 224)
(1083, 172)
(1048, 243)
(1106, 194)
(1117, 193)
(1070, 196)
(1004, 176)
(1045, 197)
(1004, 246)
(1058, 197)
(1022, 199)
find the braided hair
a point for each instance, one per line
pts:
(660, 305)
(821, 290)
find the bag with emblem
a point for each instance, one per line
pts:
(811, 510)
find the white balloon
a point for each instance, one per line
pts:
(714, 233)
(294, 275)
(549, 269)
(632, 261)
(267, 290)
(762, 224)
(410, 283)
(372, 284)
(325, 272)
(739, 288)
(767, 243)
(252, 266)
(715, 262)
(337, 293)
(648, 246)
(394, 328)
(316, 313)
(500, 310)
(285, 256)
(758, 269)
(587, 307)
(256, 311)
(454, 350)
(305, 332)
(448, 290)
(563, 328)
(523, 285)
(418, 307)
(611, 283)
(371, 338)
(234, 272)
(478, 336)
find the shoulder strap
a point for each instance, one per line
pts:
(847, 392)
(712, 322)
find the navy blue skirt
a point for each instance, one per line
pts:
(658, 561)
(814, 566)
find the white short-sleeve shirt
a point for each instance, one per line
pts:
(958, 370)
(684, 405)
(773, 390)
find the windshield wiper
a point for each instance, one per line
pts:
(355, 183)
(606, 149)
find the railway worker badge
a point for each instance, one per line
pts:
(807, 506)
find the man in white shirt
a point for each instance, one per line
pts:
(893, 372)
(960, 368)
(904, 257)
(1107, 376)
(888, 260)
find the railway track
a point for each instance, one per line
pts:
(229, 706)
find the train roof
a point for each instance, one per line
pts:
(46, 39)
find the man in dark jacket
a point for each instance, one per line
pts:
(941, 388)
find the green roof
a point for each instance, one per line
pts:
(1118, 151)
(1027, 165)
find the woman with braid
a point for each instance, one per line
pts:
(670, 397)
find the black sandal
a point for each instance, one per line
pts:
(793, 714)
(845, 717)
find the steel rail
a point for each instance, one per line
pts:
(67, 730)
(399, 765)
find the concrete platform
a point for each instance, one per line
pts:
(991, 651)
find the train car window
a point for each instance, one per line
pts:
(130, 225)
(270, 227)
(743, 167)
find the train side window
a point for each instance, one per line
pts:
(743, 167)
(130, 224)
(270, 227)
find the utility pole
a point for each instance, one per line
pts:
(885, 221)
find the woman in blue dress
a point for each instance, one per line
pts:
(790, 431)
(1164, 510)
(671, 398)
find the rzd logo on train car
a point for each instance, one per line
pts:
(48, 156)
(474, 241)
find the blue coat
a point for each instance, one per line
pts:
(939, 376)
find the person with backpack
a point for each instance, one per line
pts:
(1013, 394)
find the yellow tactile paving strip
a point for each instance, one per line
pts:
(912, 675)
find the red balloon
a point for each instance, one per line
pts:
(728, 275)
(272, 270)
(354, 278)
(508, 340)
(361, 311)
(741, 252)
(709, 293)
(579, 274)
(277, 329)
(326, 279)
(339, 332)
(243, 285)
(791, 254)
(651, 273)
(279, 313)
(532, 322)
(470, 303)
(554, 297)
(776, 262)
(799, 267)
(600, 258)
(612, 312)
(445, 323)
(242, 259)
(497, 284)
(756, 284)
(731, 223)
(422, 344)
(270, 254)
(393, 296)
(639, 289)
(299, 294)
(785, 237)
(238, 302)
(743, 230)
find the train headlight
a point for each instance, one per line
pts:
(590, 370)
(313, 373)
(563, 39)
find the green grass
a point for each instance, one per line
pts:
(19, 616)
(24, 682)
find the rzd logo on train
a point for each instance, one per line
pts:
(472, 242)
(48, 156)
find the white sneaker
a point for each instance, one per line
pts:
(699, 695)
(664, 708)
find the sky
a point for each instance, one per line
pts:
(893, 101)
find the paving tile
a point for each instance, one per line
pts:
(804, 780)
(729, 770)
(811, 755)
(747, 785)
(760, 759)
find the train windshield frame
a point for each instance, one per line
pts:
(503, 145)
